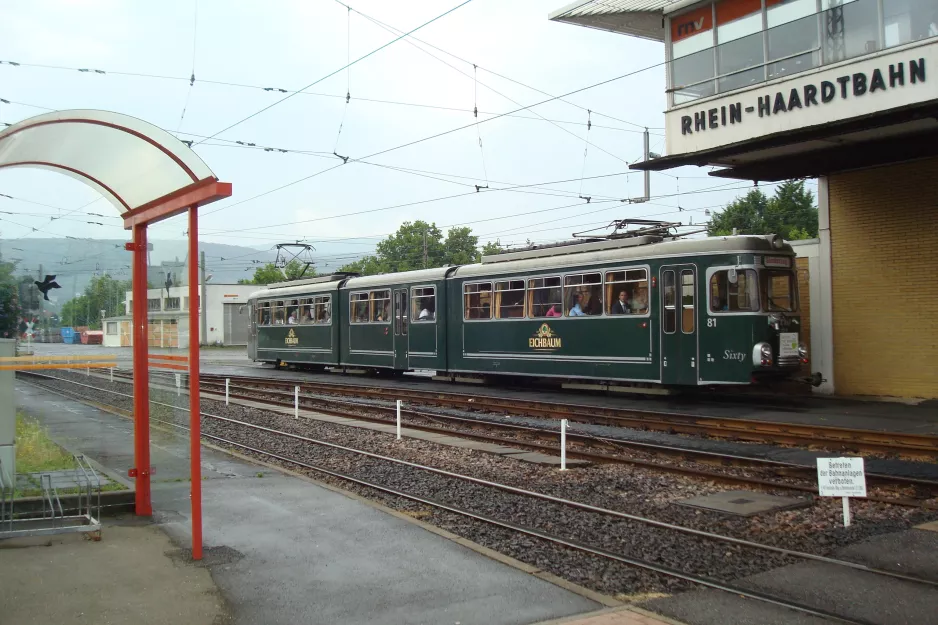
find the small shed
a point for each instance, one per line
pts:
(92, 337)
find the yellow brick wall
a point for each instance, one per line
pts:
(884, 257)
(804, 297)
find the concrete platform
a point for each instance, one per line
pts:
(131, 576)
(290, 551)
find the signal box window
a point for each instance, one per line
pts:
(583, 294)
(171, 303)
(545, 297)
(424, 302)
(322, 309)
(778, 291)
(381, 306)
(358, 307)
(509, 299)
(478, 300)
(727, 295)
(627, 292)
(153, 305)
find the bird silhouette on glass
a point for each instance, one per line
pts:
(45, 285)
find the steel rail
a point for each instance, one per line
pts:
(588, 440)
(576, 545)
(528, 493)
(688, 423)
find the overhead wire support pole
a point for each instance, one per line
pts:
(195, 435)
(647, 173)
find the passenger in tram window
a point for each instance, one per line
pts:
(621, 306)
(553, 312)
(577, 309)
(640, 302)
(291, 320)
(426, 314)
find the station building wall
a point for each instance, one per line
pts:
(884, 280)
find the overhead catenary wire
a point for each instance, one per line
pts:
(195, 30)
(348, 78)
(329, 75)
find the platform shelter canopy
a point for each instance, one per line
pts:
(130, 162)
(638, 18)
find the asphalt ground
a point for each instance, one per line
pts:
(285, 550)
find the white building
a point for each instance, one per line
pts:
(226, 317)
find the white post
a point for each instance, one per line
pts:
(227, 380)
(563, 444)
(178, 384)
(296, 402)
(398, 419)
(87, 369)
(112, 374)
(846, 511)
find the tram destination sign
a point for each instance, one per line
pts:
(841, 477)
(821, 96)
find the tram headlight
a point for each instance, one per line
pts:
(803, 352)
(762, 355)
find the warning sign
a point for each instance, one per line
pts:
(841, 477)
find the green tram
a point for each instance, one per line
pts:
(641, 311)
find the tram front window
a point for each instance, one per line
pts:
(727, 295)
(778, 291)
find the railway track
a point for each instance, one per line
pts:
(862, 441)
(585, 446)
(270, 440)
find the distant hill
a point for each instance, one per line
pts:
(75, 261)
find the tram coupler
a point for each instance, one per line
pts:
(815, 379)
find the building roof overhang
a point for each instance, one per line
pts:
(638, 18)
(901, 134)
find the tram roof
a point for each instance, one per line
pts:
(384, 279)
(771, 244)
(303, 288)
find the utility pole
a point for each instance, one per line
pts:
(202, 316)
(425, 248)
(41, 318)
(647, 172)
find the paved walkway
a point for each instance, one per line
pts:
(284, 550)
(129, 577)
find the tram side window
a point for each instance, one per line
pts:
(670, 302)
(263, 313)
(293, 312)
(381, 306)
(627, 292)
(729, 296)
(583, 294)
(778, 291)
(687, 301)
(277, 313)
(509, 299)
(358, 307)
(304, 314)
(478, 300)
(322, 309)
(424, 302)
(545, 297)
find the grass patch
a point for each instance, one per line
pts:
(35, 451)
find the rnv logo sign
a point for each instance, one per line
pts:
(689, 28)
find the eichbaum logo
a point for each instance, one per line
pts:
(544, 338)
(291, 338)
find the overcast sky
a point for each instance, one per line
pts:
(288, 44)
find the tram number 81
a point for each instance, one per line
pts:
(711, 322)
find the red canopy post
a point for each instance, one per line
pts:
(141, 470)
(195, 436)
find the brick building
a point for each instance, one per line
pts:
(841, 90)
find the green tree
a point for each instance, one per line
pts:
(9, 300)
(367, 266)
(491, 248)
(102, 293)
(296, 270)
(791, 212)
(414, 246)
(460, 247)
(267, 274)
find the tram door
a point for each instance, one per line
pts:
(400, 329)
(678, 294)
